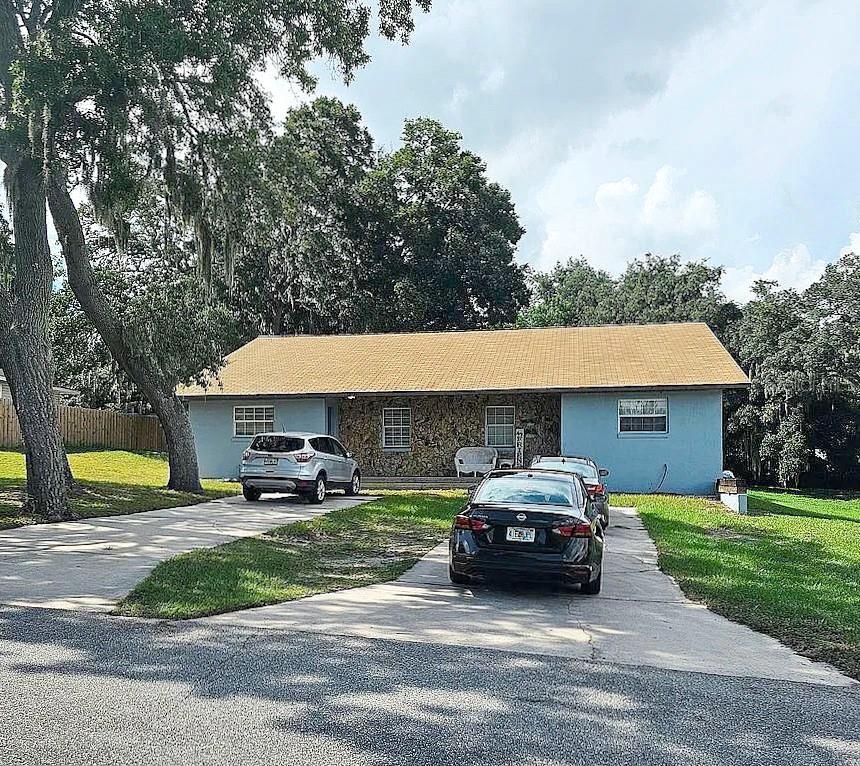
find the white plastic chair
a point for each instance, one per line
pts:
(475, 460)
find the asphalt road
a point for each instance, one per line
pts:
(89, 689)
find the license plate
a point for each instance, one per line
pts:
(270, 461)
(521, 534)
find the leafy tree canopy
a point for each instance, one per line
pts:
(298, 222)
(152, 286)
(332, 236)
(121, 92)
(446, 238)
(651, 289)
(800, 420)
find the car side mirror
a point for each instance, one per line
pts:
(603, 472)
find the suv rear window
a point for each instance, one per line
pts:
(277, 444)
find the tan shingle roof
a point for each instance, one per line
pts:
(555, 358)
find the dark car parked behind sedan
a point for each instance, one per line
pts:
(530, 524)
(590, 474)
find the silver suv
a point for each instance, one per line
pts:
(296, 461)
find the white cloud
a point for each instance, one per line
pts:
(740, 129)
(585, 110)
(853, 245)
(622, 221)
(668, 213)
(616, 197)
(521, 154)
(284, 95)
(493, 80)
(458, 97)
(794, 268)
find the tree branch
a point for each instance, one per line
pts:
(62, 10)
(10, 45)
(84, 35)
(31, 19)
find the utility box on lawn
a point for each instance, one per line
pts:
(733, 493)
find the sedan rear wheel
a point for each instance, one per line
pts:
(456, 577)
(592, 588)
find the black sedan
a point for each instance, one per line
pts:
(528, 524)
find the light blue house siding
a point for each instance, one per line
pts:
(690, 454)
(219, 452)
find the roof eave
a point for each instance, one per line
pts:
(465, 392)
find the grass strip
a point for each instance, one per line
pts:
(346, 548)
(109, 483)
(791, 568)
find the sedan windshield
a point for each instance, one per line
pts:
(584, 470)
(268, 443)
(521, 489)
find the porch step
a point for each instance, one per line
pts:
(418, 482)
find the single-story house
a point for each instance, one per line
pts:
(645, 401)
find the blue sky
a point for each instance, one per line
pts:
(726, 131)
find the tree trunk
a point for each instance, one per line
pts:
(26, 354)
(182, 455)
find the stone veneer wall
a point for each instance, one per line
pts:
(441, 424)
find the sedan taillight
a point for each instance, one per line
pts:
(573, 530)
(476, 524)
(302, 457)
(246, 455)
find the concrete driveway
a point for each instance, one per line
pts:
(91, 564)
(641, 617)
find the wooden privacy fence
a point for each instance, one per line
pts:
(92, 428)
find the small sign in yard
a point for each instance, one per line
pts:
(520, 443)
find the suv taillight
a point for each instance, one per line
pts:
(302, 457)
(595, 489)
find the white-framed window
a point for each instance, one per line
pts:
(643, 416)
(396, 427)
(250, 421)
(500, 426)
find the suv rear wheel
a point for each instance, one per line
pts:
(354, 486)
(318, 493)
(251, 493)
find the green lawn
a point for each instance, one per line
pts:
(791, 568)
(345, 548)
(110, 483)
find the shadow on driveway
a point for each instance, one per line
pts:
(83, 689)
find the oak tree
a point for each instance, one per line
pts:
(103, 96)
